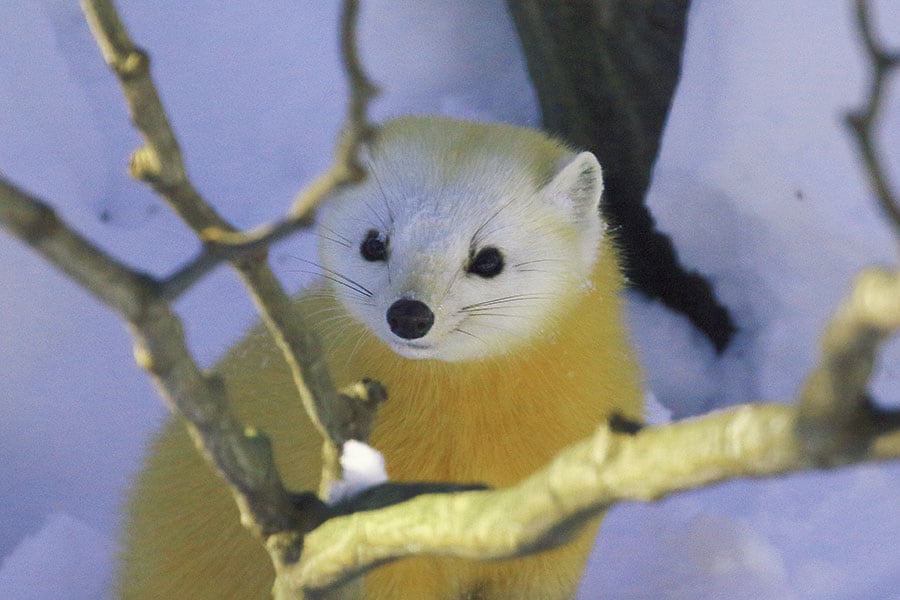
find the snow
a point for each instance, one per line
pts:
(757, 182)
(65, 559)
(363, 468)
(756, 539)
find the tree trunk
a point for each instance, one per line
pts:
(605, 72)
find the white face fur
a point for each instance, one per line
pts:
(453, 257)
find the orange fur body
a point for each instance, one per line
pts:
(493, 421)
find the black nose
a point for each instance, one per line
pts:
(410, 319)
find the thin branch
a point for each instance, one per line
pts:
(32, 221)
(863, 120)
(356, 129)
(241, 454)
(362, 89)
(176, 284)
(233, 246)
(159, 162)
(338, 416)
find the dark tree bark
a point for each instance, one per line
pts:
(605, 72)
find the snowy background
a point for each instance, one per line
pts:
(757, 181)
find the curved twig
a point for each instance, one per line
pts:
(160, 164)
(356, 129)
(864, 119)
(837, 420)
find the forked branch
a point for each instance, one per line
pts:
(864, 120)
(159, 163)
(243, 455)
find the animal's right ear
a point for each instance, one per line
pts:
(577, 186)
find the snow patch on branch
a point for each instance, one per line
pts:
(363, 468)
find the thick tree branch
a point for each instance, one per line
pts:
(543, 510)
(747, 441)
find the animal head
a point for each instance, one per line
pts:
(465, 240)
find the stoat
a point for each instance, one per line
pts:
(471, 274)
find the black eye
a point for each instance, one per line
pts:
(373, 247)
(487, 263)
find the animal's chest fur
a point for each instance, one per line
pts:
(490, 423)
(497, 420)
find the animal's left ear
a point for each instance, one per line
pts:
(577, 186)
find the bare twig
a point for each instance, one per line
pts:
(160, 164)
(221, 241)
(159, 161)
(837, 419)
(864, 119)
(241, 454)
(356, 129)
(221, 245)
(32, 221)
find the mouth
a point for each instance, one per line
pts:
(408, 349)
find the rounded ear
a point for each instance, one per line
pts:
(577, 186)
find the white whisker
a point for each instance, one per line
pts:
(494, 314)
(470, 334)
(539, 260)
(505, 300)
